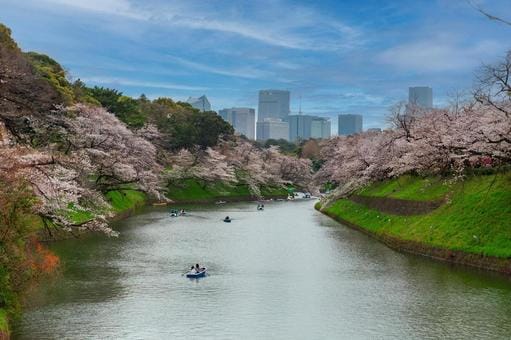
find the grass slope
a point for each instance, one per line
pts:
(126, 199)
(194, 190)
(409, 187)
(476, 217)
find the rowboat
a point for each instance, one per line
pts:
(195, 275)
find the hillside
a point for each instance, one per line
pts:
(473, 216)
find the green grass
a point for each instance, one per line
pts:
(476, 220)
(125, 199)
(409, 187)
(4, 324)
(195, 190)
(78, 215)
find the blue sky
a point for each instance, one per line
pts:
(339, 56)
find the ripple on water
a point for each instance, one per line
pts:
(286, 272)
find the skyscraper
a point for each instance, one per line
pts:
(201, 103)
(302, 127)
(421, 96)
(242, 119)
(272, 128)
(273, 104)
(299, 127)
(349, 124)
(321, 128)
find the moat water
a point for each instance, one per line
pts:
(287, 272)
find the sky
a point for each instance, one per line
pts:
(353, 56)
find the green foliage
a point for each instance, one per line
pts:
(5, 38)
(188, 129)
(475, 219)
(317, 164)
(125, 108)
(126, 199)
(16, 222)
(196, 190)
(284, 145)
(82, 93)
(50, 70)
(4, 326)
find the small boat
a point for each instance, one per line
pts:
(196, 275)
(227, 219)
(260, 207)
(220, 202)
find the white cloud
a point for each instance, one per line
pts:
(284, 25)
(130, 82)
(439, 55)
(112, 7)
(245, 72)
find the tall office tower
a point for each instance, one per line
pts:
(201, 103)
(321, 128)
(272, 128)
(273, 104)
(242, 119)
(349, 124)
(421, 96)
(300, 127)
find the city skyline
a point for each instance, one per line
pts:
(336, 56)
(349, 124)
(242, 120)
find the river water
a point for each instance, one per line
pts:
(287, 272)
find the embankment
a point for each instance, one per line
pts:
(466, 222)
(36, 260)
(196, 191)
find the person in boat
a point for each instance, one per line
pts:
(192, 270)
(198, 269)
(227, 218)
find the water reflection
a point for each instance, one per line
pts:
(285, 272)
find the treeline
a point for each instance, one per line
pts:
(180, 124)
(73, 144)
(473, 132)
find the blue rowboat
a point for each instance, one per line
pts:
(202, 273)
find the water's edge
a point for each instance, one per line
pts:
(489, 263)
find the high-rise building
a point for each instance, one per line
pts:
(421, 96)
(242, 119)
(273, 104)
(272, 128)
(321, 128)
(299, 127)
(349, 124)
(302, 127)
(201, 103)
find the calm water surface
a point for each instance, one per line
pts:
(286, 273)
